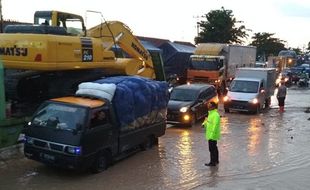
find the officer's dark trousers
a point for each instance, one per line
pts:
(214, 153)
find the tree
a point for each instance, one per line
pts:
(308, 48)
(267, 45)
(220, 27)
(297, 50)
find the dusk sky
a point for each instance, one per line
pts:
(176, 20)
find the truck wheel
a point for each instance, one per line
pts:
(100, 164)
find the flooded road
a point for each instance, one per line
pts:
(265, 151)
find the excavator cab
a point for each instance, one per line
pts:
(74, 24)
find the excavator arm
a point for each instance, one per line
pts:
(115, 32)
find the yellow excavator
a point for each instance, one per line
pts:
(52, 56)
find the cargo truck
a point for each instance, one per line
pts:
(251, 90)
(103, 122)
(216, 63)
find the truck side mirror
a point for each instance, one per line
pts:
(262, 90)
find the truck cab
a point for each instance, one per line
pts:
(70, 132)
(204, 68)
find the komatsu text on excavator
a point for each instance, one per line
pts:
(52, 56)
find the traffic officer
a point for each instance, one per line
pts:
(212, 132)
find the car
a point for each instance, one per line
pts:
(188, 103)
(260, 64)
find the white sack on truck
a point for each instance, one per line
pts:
(97, 90)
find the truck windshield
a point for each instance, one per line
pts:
(183, 94)
(60, 117)
(200, 63)
(244, 86)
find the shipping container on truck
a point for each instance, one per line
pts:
(216, 63)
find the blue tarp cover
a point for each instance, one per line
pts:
(136, 97)
(176, 58)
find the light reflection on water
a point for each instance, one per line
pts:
(179, 159)
(224, 126)
(185, 149)
(254, 136)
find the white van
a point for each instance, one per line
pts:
(251, 90)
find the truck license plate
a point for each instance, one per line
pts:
(47, 157)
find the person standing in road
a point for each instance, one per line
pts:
(281, 94)
(212, 132)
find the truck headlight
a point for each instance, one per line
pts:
(74, 150)
(183, 109)
(29, 140)
(254, 101)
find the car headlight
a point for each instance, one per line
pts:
(183, 109)
(186, 117)
(226, 99)
(254, 101)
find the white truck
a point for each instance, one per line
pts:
(216, 63)
(251, 90)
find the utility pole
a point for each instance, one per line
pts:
(197, 22)
(1, 18)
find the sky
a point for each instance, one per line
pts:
(176, 20)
